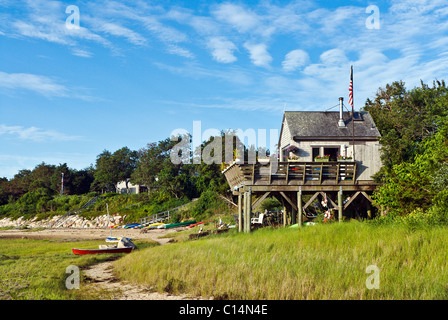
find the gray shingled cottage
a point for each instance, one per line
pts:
(305, 136)
(324, 156)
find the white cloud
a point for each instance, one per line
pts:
(238, 17)
(34, 134)
(117, 30)
(295, 59)
(177, 50)
(46, 21)
(81, 53)
(43, 85)
(334, 57)
(258, 54)
(203, 25)
(235, 75)
(222, 49)
(37, 83)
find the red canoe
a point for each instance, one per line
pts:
(95, 251)
(196, 224)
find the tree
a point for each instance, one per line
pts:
(41, 176)
(82, 180)
(3, 192)
(405, 118)
(113, 168)
(420, 183)
(106, 172)
(125, 161)
(414, 147)
(150, 162)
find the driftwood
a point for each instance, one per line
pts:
(206, 233)
(220, 231)
(198, 235)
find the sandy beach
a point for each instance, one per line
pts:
(73, 234)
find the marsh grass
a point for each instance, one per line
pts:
(36, 269)
(318, 262)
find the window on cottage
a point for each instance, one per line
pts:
(333, 152)
(285, 153)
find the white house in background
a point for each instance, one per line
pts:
(307, 134)
(132, 188)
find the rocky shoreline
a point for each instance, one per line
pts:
(73, 221)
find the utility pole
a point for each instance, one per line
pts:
(62, 184)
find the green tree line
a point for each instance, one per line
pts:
(150, 166)
(414, 143)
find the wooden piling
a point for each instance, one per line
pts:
(299, 207)
(340, 205)
(245, 212)
(249, 208)
(240, 212)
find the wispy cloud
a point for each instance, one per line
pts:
(236, 16)
(37, 83)
(49, 87)
(45, 20)
(34, 134)
(411, 43)
(235, 76)
(295, 59)
(222, 49)
(116, 29)
(258, 54)
(82, 53)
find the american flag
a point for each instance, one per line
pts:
(350, 89)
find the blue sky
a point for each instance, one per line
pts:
(136, 70)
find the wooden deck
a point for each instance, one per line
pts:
(287, 176)
(289, 181)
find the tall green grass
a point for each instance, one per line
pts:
(318, 262)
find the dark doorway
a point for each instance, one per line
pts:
(315, 152)
(332, 152)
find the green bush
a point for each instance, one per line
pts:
(208, 204)
(270, 204)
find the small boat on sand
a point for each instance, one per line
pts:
(124, 245)
(132, 225)
(97, 251)
(196, 224)
(174, 225)
(153, 226)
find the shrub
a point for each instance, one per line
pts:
(207, 205)
(269, 204)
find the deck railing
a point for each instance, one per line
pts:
(290, 173)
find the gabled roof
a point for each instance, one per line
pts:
(322, 124)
